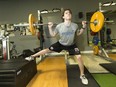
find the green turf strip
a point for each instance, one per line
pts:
(105, 80)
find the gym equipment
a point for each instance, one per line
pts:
(103, 53)
(5, 45)
(96, 49)
(93, 33)
(13, 51)
(108, 33)
(96, 23)
(16, 72)
(98, 18)
(110, 67)
(40, 32)
(102, 36)
(27, 53)
(95, 40)
(31, 22)
(73, 75)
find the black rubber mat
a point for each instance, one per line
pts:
(110, 67)
(73, 75)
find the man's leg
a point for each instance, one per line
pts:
(80, 63)
(54, 47)
(42, 52)
(81, 67)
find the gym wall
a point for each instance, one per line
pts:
(55, 18)
(16, 11)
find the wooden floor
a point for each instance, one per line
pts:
(52, 70)
(51, 73)
(112, 56)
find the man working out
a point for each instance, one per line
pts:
(67, 31)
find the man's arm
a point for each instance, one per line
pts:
(50, 27)
(80, 32)
(84, 26)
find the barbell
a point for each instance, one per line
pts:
(96, 22)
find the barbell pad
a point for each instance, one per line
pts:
(100, 18)
(32, 20)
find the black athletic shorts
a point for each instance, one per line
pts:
(72, 49)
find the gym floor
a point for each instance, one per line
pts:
(52, 72)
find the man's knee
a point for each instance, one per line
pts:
(78, 57)
(47, 50)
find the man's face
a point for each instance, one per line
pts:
(67, 15)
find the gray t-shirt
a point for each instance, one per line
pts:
(66, 33)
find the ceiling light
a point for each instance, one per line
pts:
(113, 3)
(108, 4)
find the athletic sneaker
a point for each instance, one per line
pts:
(29, 58)
(84, 79)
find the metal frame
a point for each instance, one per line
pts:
(5, 48)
